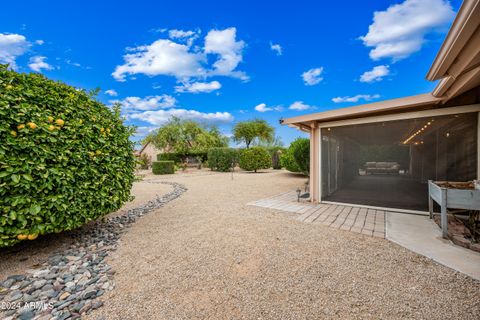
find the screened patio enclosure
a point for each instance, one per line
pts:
(388, 164)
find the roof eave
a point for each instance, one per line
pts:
(365, 110)
(460, 32)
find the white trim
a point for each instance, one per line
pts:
(403, 116)
(417, 212)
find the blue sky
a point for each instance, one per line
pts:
(221, 62)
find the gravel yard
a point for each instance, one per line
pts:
(208, 255)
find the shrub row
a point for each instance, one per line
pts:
(163, 167)
(65, 158)
(181, 157)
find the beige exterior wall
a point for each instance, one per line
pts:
(150, 151)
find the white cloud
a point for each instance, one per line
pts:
(197, 87)
(262, 107)
(166, 57)
(143, 131)
(163, 57)
(358, 97)
(376, 74)
(11, 47)
(188, 36)
(224, 44)
(180, 34)
(160, 117)
(39, 42)
(75, 64)
(312, 76)
(400, 30)
(132, 104)
(111, 92)
(277, 48)
(37, 63)
(300, 106)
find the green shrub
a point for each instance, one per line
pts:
(297, 157)
(301, 154)
(255, 158)
(288, 162)
(65, 158)
(163, 167)
(222, 159)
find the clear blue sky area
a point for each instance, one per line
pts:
(220, 62)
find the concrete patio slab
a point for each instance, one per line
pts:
(369, 222)
(422, 235)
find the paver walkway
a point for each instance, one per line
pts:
(370, 222)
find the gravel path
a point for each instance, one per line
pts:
(209, 256)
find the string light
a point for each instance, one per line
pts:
(417, 133)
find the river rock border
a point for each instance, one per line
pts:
(70, 283)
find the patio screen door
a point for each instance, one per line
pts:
(388, 164)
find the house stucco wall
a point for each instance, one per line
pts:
(150, 151)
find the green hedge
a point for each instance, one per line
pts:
(222, 159)
(175, 157)
(65, 158)
(180, 157)
(163, 167)
(255, 158)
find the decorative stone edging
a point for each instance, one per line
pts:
(69, 284)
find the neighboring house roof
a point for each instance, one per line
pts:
(143, 148)
(457, 64)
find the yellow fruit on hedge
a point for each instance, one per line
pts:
(13, 133)
(22, 237)
(103, 129)
(51, 127)
(98, 152)
(32, 125)
(60, 122)
(91, 154)
(9, 87)
(50, 119)
(20, 126)
(32, 236)
(81, 121)
(108, 130)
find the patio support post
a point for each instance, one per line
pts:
(478, 146)
(443, 214)
(314, 162)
